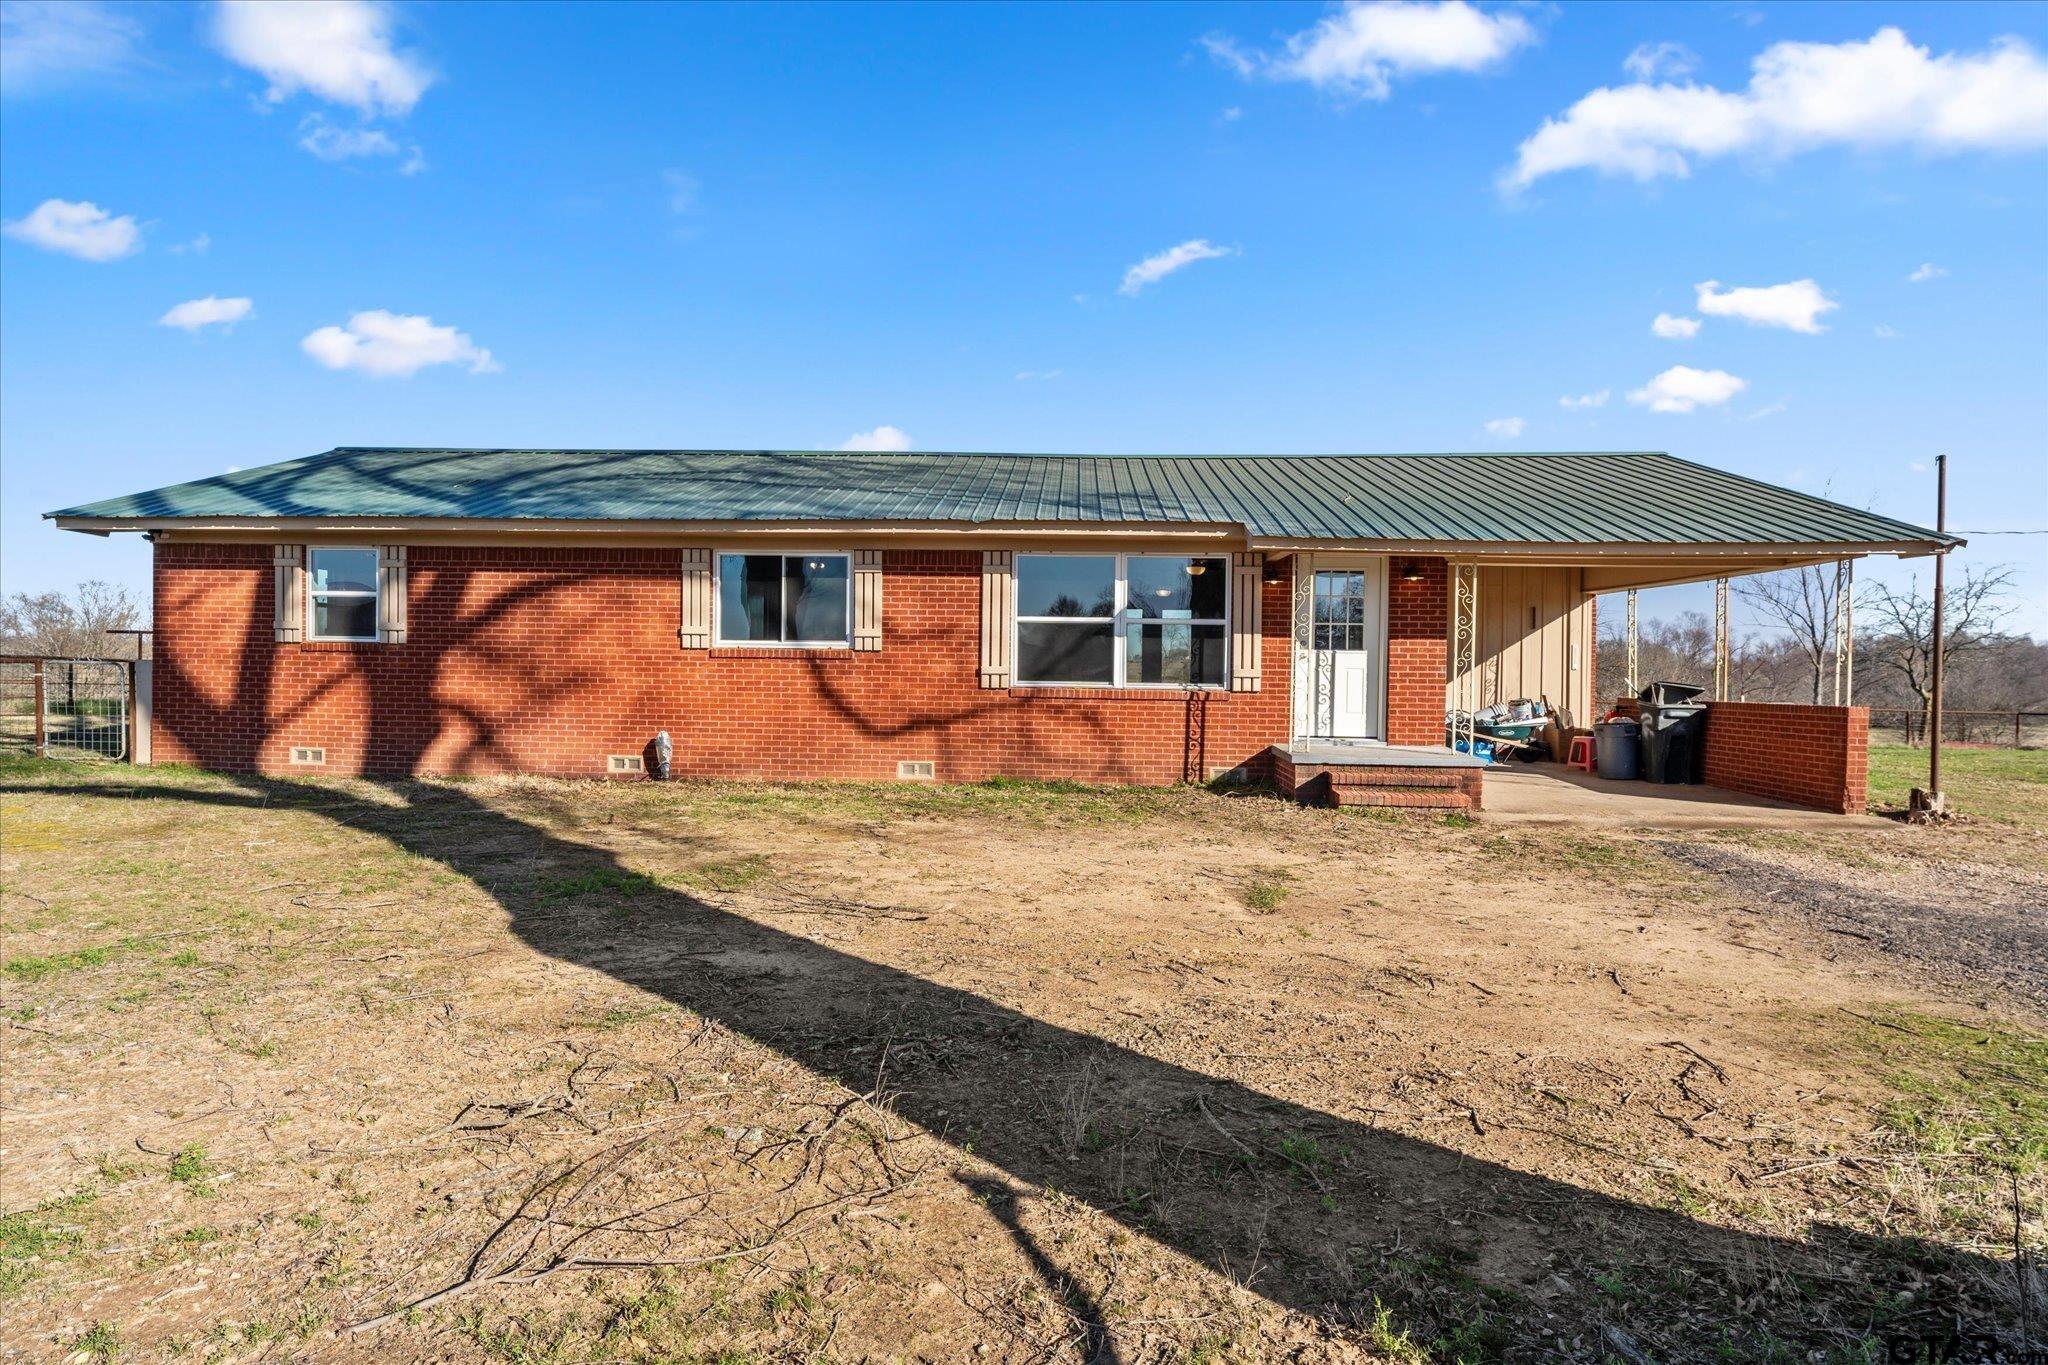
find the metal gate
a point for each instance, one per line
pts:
(65, 708)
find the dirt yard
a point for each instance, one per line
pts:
(540, 1071)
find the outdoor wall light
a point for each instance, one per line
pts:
(1411, 572)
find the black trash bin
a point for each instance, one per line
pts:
(1674, 733)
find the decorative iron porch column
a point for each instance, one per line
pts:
(1465, 651)
(1629, 682)
(1720, 639)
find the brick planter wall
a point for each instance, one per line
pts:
(1808, 755)
(545, 660)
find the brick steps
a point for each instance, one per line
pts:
(1388, 797)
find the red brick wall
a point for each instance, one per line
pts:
(546, 660)
(1418, 653)
(1809, 755)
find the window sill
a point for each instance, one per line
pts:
(1108, 693)
(780, 652)
(342, 646)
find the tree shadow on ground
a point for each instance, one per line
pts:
(1311, 1210)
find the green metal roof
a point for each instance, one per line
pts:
(1616, 498)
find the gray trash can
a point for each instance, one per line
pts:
(1674, 733)
(1616, 746)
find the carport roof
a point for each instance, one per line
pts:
(1635, 497)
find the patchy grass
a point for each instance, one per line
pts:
(34, 1238)
(36, 968)
(1265, 889)
(191, 1168)
(1964, 1089)
(2006, 786)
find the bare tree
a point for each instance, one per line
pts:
(80, 626)
(1802, 602)
(1902, 621)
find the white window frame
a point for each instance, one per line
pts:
(718, 639)
(1121, 622)
(314, 593)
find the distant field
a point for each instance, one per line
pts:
(2006, 785)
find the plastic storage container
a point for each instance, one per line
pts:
(1616, 748)
(1674, 733)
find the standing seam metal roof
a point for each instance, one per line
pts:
(1564, 498)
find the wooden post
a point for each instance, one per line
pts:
(42, 739)
(1932, 804)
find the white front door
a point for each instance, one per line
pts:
(1343, 687)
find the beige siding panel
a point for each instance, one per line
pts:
(1246, 573)
(391, 590)
(288, 592)
(1535, 638)
(998, 616)
(867, 599)
(695, 628)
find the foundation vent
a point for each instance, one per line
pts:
(916, 770)
(307, 756)
(625, 763)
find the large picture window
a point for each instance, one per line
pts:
(342, 588)
(783, 599)
(1122, 620)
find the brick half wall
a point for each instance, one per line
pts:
(1815, 756)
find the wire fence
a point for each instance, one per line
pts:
(64, 708)
(1998, 729)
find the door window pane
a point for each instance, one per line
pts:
(1065, 651)
(814, 590)
(1066, 585)
(1173, 652)
(1171, 588)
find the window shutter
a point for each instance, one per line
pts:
(998, 615)
(288, 593)
(1247, 572)
(696, 623)
(867, 599)
(391, 594)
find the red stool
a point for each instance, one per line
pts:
(1580, 754)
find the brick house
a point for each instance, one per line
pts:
(873, 616)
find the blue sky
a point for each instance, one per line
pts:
(1414, 227)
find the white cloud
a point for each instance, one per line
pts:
(1361, 49)
(1682, 388)
(1027, 376)
(339, 50)
(881, 438)
(1883, 92)
(330, 143)
(1507, 428)
(83, 229)
(1651, 60)
(1927, 271)
(1796, 306)
(1884, 333)
(1585, 400)
(197, 246)
(1674, 328)
(682, 190)
(387, 344)
(44, 43)
(1155, 268)
(1232, 114)
(210, 311)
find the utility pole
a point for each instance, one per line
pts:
(1932, 804)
